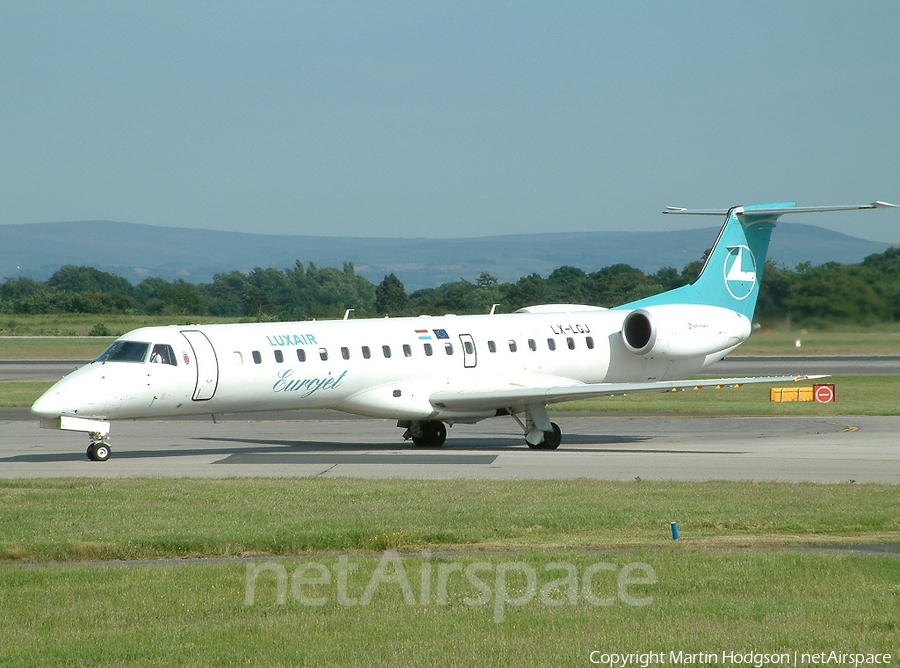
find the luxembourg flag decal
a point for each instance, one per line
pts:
(423, 335)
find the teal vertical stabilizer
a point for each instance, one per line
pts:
(733, 269)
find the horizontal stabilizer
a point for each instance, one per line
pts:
(779, 210)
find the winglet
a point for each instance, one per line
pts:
(878, 204)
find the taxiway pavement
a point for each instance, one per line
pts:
(608, 446)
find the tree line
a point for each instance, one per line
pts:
(864, 293)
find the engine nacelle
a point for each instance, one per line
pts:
(677, 331)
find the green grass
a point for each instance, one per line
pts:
(196, 615)
(710, 593)
(71, 520)
(883, 339)
(20, 393)
(80, 324)
(53, 347)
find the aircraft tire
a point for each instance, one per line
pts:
(551, 441)
(98, 452)
(434, 433)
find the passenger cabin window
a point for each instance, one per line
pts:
(386, 351)
(301, 355)
(407, 351)
(551, 344)
(163, 354)
(367, 353)
(124, 351)
(532, 345)
(492, 347)
(428, 349)
(323, 354)
(345, 353)
(512, 346)
(470, 349)
(279, 356)
(589, 340)
(257, 357)
(448, 348)
(571, 343)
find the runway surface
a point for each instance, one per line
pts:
(847, 365)
(43, 370)
(836, 365)
(610, 447)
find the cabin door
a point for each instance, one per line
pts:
(205, 363)
(470, 356)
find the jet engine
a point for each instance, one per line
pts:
(677, 331)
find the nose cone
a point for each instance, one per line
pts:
(73, 395)
(48, 404)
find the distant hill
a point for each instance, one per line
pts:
(137, 251)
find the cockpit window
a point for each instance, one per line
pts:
(124, 351)
(163, 354)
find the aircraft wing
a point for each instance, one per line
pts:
(518, 395)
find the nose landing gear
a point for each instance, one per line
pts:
(97, 431)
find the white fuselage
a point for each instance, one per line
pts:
(386, 367)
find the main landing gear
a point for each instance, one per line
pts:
(551, 441)
(540, 433)
(425, 433)
(98, 450)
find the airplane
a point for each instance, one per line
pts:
(429, 372)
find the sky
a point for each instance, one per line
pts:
(439, 119)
